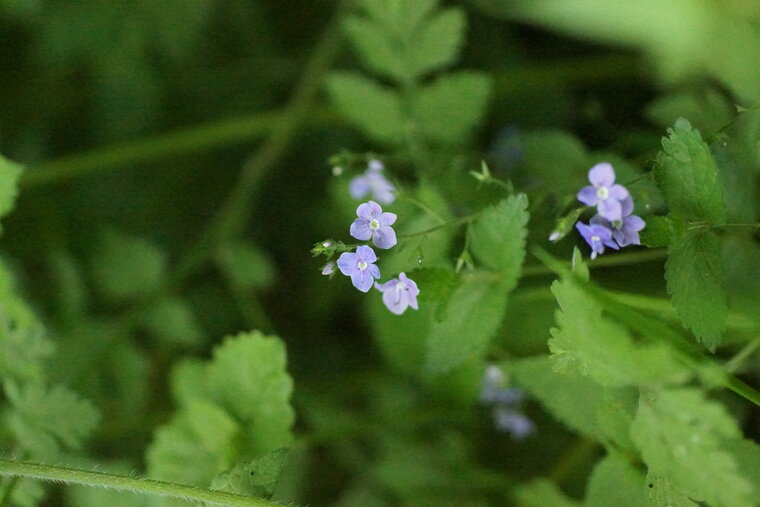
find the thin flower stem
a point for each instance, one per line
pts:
(124, 483)
(232, 216)
(735, 363)
(450, 223)
(622, 259)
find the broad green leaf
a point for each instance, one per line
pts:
(687, 174)
(49, 421)
(409, 15)
(373, 108)
(598, 412)
(171, 321)
(257, 478)
(377, 48)
(497, 237)
(199, 442)
(663, 494)
(477, 307)
(615, 482)
(449, 108)
(127, 268)
(247, 377)
(694, 274)
(739, 179)
(245, 265)
(682, 437)
(541, 493)
(9, 175)
(588, 342)
(437, 42)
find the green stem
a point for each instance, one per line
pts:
(124, 483)
(450, 223)
(733, 365)
(231, 218)
(180, 142)
(622, 259)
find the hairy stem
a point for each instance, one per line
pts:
(124, 483)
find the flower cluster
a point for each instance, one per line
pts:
(375, 225)
(614, 225)
(504, 401)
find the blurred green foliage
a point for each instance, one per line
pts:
(170, 173)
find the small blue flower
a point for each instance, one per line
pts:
(329, 268)
(373, 183)
(603, 193)
(373, 223)
(597, 236)
(399, 294)
(625, 231)
(518, 425)
(360, 267)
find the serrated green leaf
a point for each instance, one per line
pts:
(663, 494)
(245, 265)
(681, 437)
(476, 309)
(49, 421)
(9, 175)
(377, 49)
(615, 482)
(127, 268)
(373, 108)
(541, 493)
(694, 274)
(447, 110)
(437, 42)
(247, 377)
(590, 343)
(497, 237)
(687, 174)
(584, 405)
(171, 321)
(257, 478)
(198, 442)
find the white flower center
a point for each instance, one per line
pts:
(374, 224)
(595, 239)
(362, 265)
(602, 193)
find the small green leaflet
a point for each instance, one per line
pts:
(682, 438)
(687, 175)
(658, 232)
(694, 274)
(449, 108)
(497, 237)
(369, 105)
(257, 478)
(566, 224)
(127, 268)
(49, 421)
(377, 49)
(437, 42)
(9, 175)
(615, 482)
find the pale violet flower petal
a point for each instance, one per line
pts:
(602, 175)
(610, 209)
(618, 192)
(359, 187)
(587, 196)
(384, 237)
(360, 229)
(399, 294)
